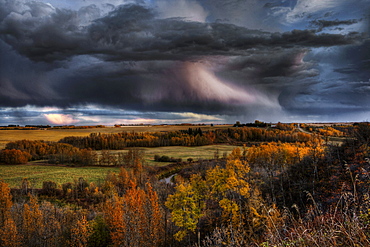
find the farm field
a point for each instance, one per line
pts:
(37, 173)
(183, 152)
(57, 134)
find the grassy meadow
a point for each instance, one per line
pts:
(36, 174)
(196, 153)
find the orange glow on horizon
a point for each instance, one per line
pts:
(60, 119)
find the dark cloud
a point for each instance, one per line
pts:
(342, 84)
(131, 32)
(354, 61)
(321, 24)
(134, 59)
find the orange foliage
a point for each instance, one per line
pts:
(135, 218)
(277, 154)
(33, 224)
(80, 233)
(8, 229)
(329, 131)
(14, 156)
(9, 234)
(5, 202)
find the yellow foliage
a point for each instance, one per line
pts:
(329, 131)
(180, 235)
(80, 233)
(231, 211)
(279, 154)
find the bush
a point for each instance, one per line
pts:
(165, 158)
(66, 187)
(14, 156)
(49, 188)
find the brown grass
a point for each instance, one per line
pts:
(183, 152)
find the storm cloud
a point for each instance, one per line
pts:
(212, 60)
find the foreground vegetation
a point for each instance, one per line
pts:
(275, 193)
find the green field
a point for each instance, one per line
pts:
(37, 173)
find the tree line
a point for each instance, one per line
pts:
(22, 151)
(190, 137)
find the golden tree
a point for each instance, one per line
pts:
(80, 233)
(187, 206)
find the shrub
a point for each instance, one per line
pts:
(14, 156)
(49, 188)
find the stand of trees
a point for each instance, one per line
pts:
(20, 152)
(191, 137)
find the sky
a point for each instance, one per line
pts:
(88, 62)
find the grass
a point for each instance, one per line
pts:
(196, 153)
(202, 152)
(38, 173)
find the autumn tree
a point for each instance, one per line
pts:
(5, 202)
(229, 186)
(134, 219)
(80, 233)
(155, 216)
(187, 206)
(9, 235)
(113, 215)
(33, 225)
(14, 156)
